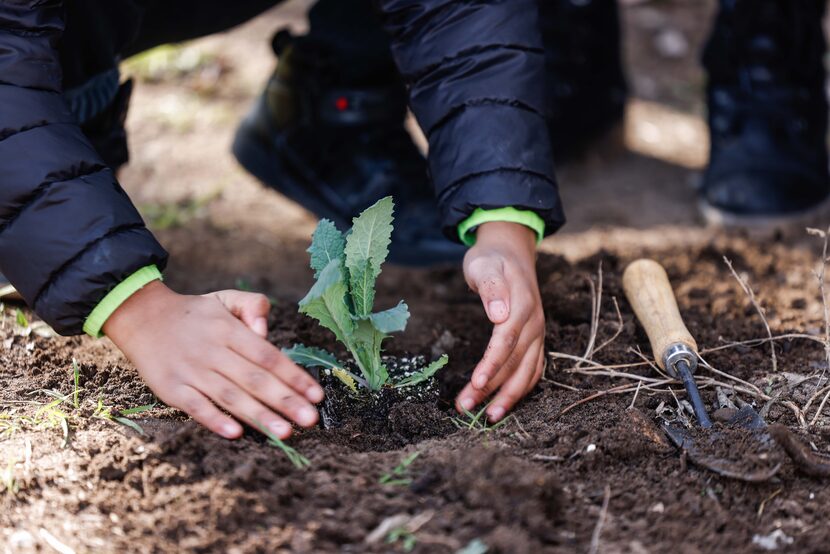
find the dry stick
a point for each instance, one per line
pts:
(636, 394)
(562, 355)
(799, 415)
(596, 303)
(564, 386)
(759, 342)
(619, 389)
(766, 500)
(725, 375)
(816, 394)
(619, 327)
(758, 308)
(603, 513)
(820, 408)
(822, 290)
(648, 362)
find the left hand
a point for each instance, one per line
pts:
(501, 268)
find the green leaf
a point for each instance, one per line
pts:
(425, 374)
(327, 244)
(21, 319)
(138, 409)
(129, 423)
(366, 249)
(366, 346)
(309, 356)
(391, 320)
(326, 302)
(299, 461)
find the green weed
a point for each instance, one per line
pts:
(399, 474)
(299, 461)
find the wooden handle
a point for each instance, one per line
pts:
(649, 292)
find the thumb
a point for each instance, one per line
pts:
(487, 278)
(249, 307)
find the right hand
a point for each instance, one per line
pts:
(200, 352)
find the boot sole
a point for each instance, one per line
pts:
(768, 225)
(268, 165)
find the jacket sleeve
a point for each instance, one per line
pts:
(475, 72)
(68, 232)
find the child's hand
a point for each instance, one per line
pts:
(197, 351)
(501, 267)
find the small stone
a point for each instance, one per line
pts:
(21, 540)
(773, 541)
(671, 43)
(658, 508)
(590, 448)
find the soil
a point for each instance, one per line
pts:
(580, 465)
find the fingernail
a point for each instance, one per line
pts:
(230, 430)
(496, 413)
(314, 394)
(497, 309)
(261, 326)
(279, 428)
(480, 381)
(307, 416)
(467, 403)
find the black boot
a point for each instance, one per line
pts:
(585, 80)
(337, 148)
(767, 115)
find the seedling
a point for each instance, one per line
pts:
(405, 536)
(65, 409)
(346, 267)
(21, 319)
(477, 421)
(8, 482)
(399, 474)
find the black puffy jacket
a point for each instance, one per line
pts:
(69, 233)
(475, 71)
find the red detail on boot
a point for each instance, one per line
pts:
(342, 104)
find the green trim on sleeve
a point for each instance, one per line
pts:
(114, 298)
(466, 229)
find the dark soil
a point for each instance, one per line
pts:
(535, 484)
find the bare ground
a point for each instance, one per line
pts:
(558, 477)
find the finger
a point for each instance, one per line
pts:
(197, 406)
(267, 356)
(540, 370)
(471, 396)
(516, 385)
(503, 343)
(267, 388)
(239, 403)
(486, 277)
(249, 307)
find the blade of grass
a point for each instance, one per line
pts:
(130, 423)
(138, 409)
(299, 461)
(76, 374)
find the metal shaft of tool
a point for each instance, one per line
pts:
(685, 373)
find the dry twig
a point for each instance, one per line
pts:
(751, 294)
(603, 513)
(823, 291)
(596, 304)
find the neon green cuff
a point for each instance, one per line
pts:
(466, 229)
(114, 298)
